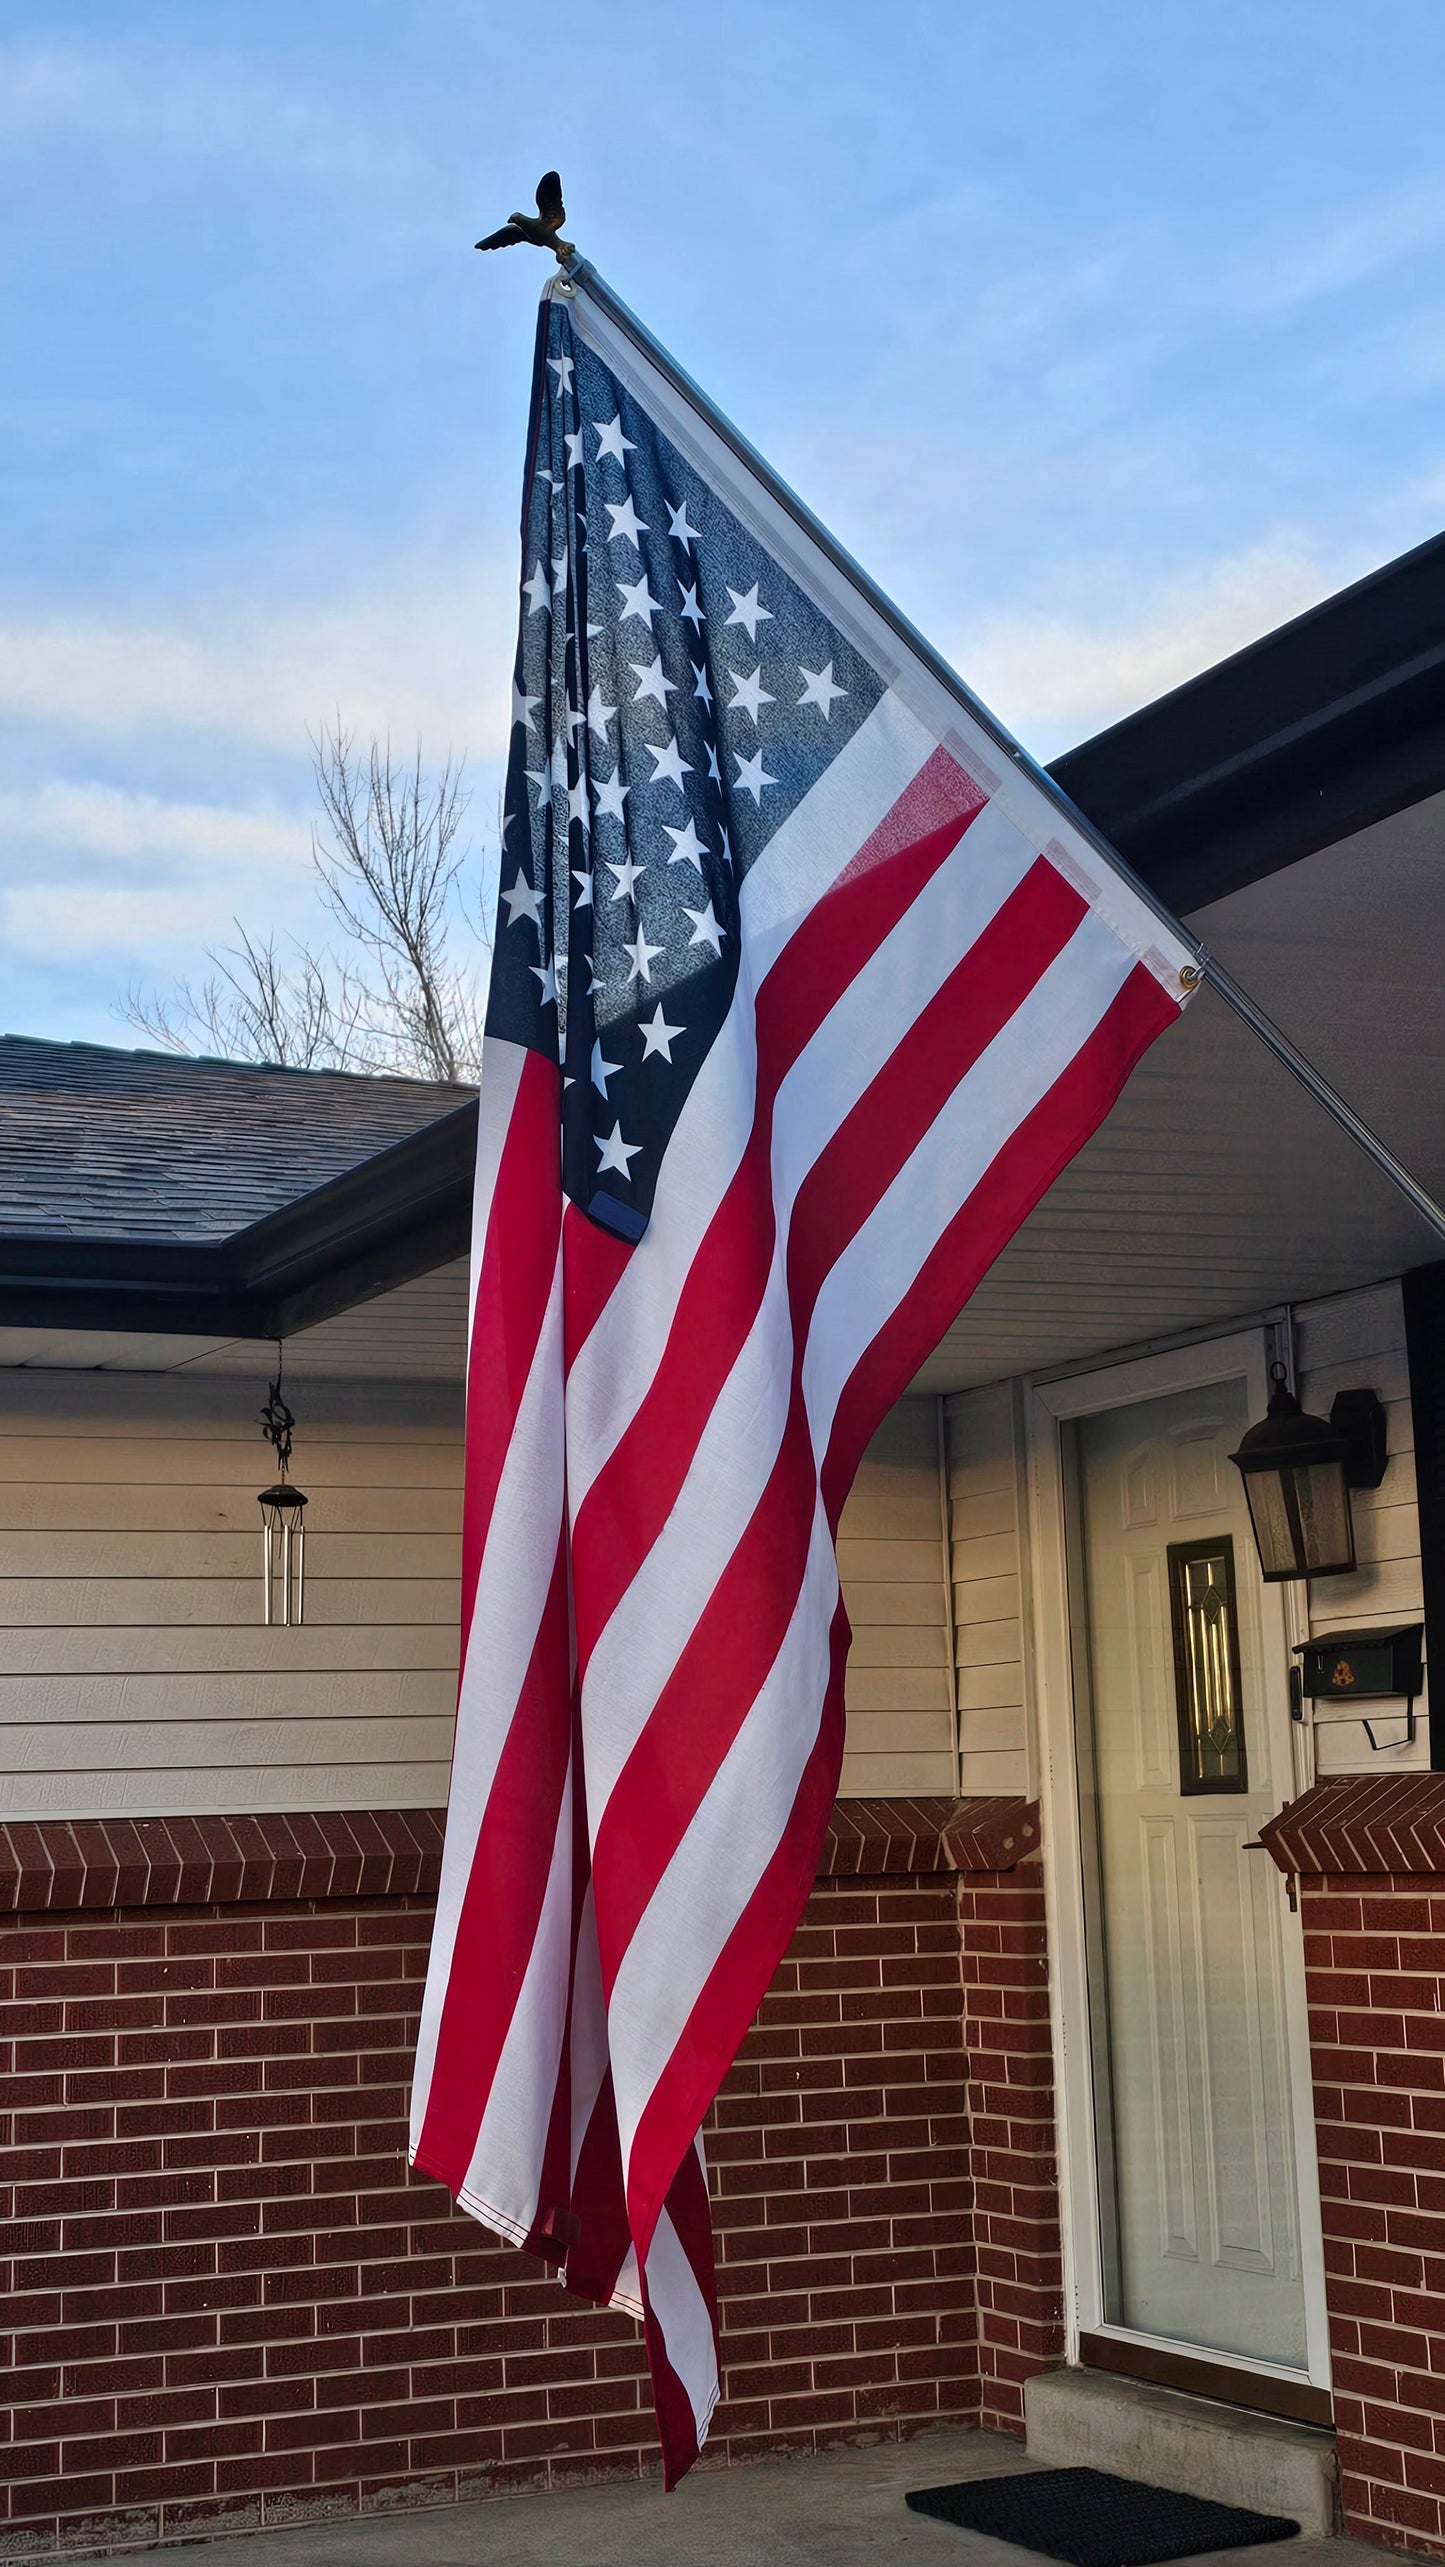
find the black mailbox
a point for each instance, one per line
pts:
(1366, 1666)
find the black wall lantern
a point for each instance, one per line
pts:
(1298, 1472)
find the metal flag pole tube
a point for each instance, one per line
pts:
(579, 272)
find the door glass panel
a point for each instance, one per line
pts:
(1204, 1615)
(1199, 2212)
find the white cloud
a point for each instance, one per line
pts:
(51, 922)
(425, 659)
(1057, 679)
(102, 820)
(182, 105)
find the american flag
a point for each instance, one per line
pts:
(804, 990)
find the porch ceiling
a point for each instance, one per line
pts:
(1215, 1188)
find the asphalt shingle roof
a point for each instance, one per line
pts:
(148, 1145)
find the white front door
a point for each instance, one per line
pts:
(1183, 2033)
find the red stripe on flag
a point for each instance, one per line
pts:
(600, 2205)
(519, 1259)
(592, 1261)
(502, 1904)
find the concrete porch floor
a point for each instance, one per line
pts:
(842, 2509)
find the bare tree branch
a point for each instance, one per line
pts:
(388, 858)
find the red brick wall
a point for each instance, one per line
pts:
(1009, 2068)
(229, 2302)
(1371, 1863)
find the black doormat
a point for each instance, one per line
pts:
(1093, 2519)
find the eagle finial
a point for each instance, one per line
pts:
(543, 229)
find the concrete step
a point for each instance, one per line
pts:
(1092, 2420)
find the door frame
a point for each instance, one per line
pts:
(1242, 1354)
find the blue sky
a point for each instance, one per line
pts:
(1108, 335)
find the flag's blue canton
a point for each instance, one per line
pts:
(675, 697)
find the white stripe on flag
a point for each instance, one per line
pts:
(682, 2313)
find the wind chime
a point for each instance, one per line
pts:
(283, 1519)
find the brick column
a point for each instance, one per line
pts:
(1369, 1856)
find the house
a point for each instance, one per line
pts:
(1110, 2051)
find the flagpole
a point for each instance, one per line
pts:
(579, 272)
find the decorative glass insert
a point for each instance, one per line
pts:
(1205, 1620)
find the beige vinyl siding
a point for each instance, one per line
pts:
(1357, 1341)
(985, 1514)
(137, 1678)
(891, 1559)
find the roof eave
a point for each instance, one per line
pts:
(398, 1215)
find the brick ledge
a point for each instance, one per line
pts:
(50, 1864)
(1392, 1823)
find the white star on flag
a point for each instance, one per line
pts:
(522, 902)
(747, 612)
(705, 929)
(650, 681)
(750, 776)
(818, 688)
(687, 846)
(626, 525)
(749, 695)
(669, 766)
(642, 955)
(623, 877)
(615, 1152)
(657, 1035)
(637, 599)
(610, 439)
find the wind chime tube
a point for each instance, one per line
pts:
(283, 1555)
